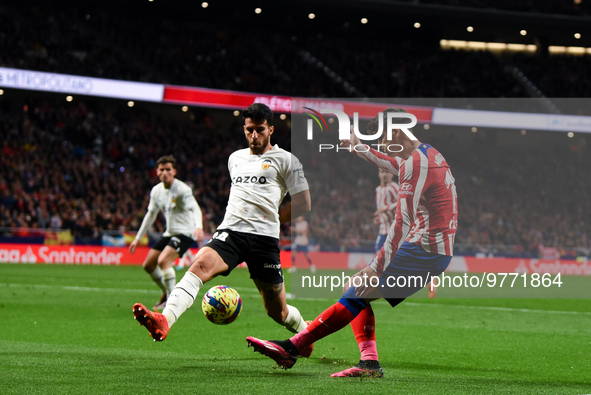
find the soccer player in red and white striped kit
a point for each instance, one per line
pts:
(419, 246)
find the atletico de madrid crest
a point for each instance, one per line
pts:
(266, 164)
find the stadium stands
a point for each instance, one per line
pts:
(89, 166)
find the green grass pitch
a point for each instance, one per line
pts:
(70, 330)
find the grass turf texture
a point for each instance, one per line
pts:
(70, 329)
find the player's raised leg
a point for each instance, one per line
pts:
(286, 352)
(207, 265)
(331, 320)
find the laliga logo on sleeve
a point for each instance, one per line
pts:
(345, 128)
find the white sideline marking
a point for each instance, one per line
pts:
(74, 288)
(254, 291)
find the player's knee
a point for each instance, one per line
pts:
(200, 268)
(164, 260)
(206, 267)
(149, 265)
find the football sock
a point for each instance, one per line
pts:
(294, 321)
(157, 276)
(169, 278)
(365, 333)
(287, 345)
(182, 297)
(335, 318)
(331, 320)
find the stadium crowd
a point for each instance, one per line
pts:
(328, 64)
(89, 167)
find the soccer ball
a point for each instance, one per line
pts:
(221, 305)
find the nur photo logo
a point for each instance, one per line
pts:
(393, 121)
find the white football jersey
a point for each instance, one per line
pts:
(179, 207)
(301, 233)
(259, 184)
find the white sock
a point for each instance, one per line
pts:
(294, 321)
(182, 297)
(169, 279)
(157, 276)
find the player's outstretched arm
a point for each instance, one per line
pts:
(193, 206)
(301, 203)
(147, 222)
(383, 161)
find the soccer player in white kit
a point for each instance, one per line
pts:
(262, 175)
(300, 243)
(184, 225)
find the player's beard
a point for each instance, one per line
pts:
(257, 150)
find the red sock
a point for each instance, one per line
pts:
(364, 328)
(334, 318)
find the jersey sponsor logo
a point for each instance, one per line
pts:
(405, 189)
(266, 164)
(249, 180)
(275, 266)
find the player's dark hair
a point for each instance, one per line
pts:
(372, 126)
(258, 112)
(167, 159)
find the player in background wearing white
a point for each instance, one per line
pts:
(184, 225)
(386, 199)
(261, 177)
(300, 243)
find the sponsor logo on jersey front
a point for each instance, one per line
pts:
(405, 189)
(249, 180)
